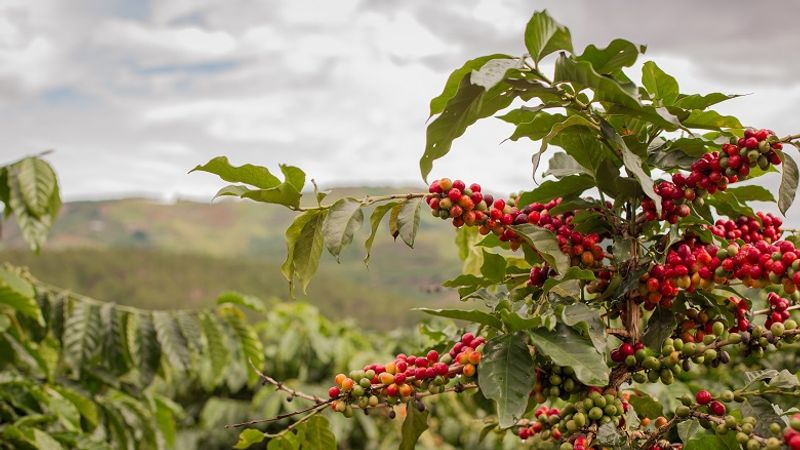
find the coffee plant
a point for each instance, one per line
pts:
(633, 299)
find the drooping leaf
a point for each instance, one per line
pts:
(494, 267)
(34, 227)
(344, 219)
(632, 162)
(472, 315)
(143, 342)
(82, 334)
(543, 36)
(19, 295)
(251, 345)
(287, 193)
(751, 193)
(404, 220)
(414, 425)
(304, 242)
(454, 81)
(563, 165)
(374, 221)
(663, 86)
(506, 376)
(701, 102)
(37, 183)
(546, 243)
(571, 121)
(173, 343)
(243, 300)
(493, 72)
(257, 176)
(789, 179)
(567, 348)
(217, 353)
(470, 103)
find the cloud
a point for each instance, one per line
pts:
(132, 94)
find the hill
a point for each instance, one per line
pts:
(161, 255)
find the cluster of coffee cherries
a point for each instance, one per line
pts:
(697, 323)
(468, 206)
(689, 265)
(540, 274)
(713, 172)
(551, 425)
(711, 412)
(401, 379)
(555, 382)
(778, 307)
(761, 263)
(749, 229)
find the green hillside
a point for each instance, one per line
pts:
(166, 255)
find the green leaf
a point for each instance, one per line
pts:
(645, 405)
(143, 342)
(567, 348)
(697, 101)
(546, 243)
(586, 320)
(494, 267)
(304, 242)
(659, 327)
(507, 376)
(710, 120)
(728, 204)
(472, 315)
(752, 193)
(287, 193)
(784, 380)
(582, 75)
(257, 176)
(165, 419)
(543, 36)
(249, 437)
(515, 322)
(344, 219)
(374, 221)
(34, 227)
(415, 423)
(232, 190)
(217, 352)
(404, 220)
(37, 183)
(82, 334)
(318, 434)
(283, 442)
(789, 178)
(173, 343)
(763, 409)
(618, 54)
(608, 435)
(632, 162)
(563, 165)
(659, 83)
(536, 127)
(470, 103)
(115, 342)
(558, 128)
(708, 441)
(565, 187)
(19, 295)
(250, 343)
(246, 301)
(454, 81)
(494, 71)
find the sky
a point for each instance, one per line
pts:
(131, 95)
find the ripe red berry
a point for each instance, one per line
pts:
(334, 392)
(703, 397)
(717, 408)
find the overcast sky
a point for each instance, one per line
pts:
(132, 94)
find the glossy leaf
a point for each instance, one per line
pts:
(318, 434)
(252, 175)
(473, 315)
(173, 343)
(567, 348)
(506, 376)
(659, 327)
(617, 54)
(563, 165)
(571, 121)
(493, 72)
(287, 193)
(632, 162)
(546, 243)
(454, 81)
(543, 36)
(663, 86)
(19, 295)
(710, 120)
(37, 183)
(585, 319)
(565, 187)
